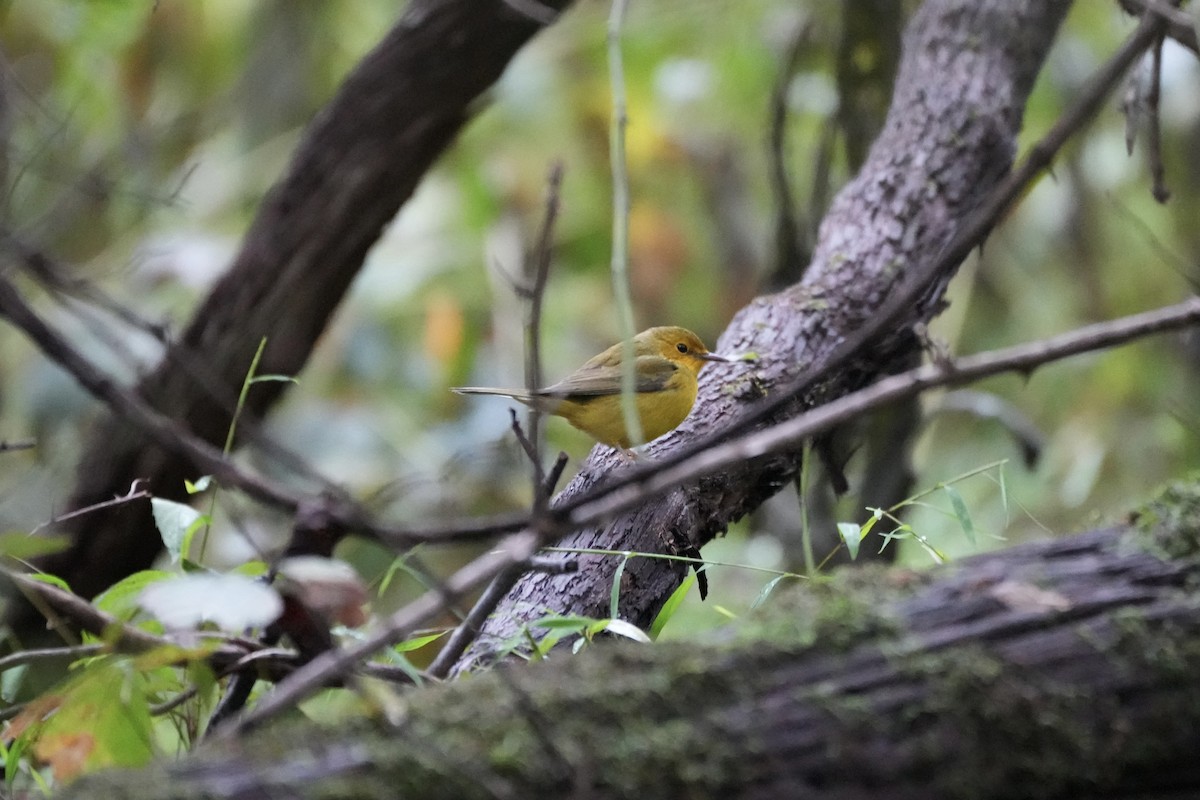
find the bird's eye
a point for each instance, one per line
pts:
(681, 347)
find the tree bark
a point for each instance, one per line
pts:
(950, 135)
(1059, 669)
(360, 159)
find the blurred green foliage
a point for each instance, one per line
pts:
(140, 136)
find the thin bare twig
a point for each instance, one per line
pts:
(134, 493)
(543, 485)
(1154, 123)
(58, 280)
(49, 654)
(792, 248)
(537, 271)
(1179, 24)
(20, 444)
(166, 433)
(469, 628)
(126, 404)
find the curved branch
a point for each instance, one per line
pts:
(949, 139)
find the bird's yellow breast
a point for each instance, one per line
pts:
(660, 411)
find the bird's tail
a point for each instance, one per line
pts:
(515, 394)
(540, 402)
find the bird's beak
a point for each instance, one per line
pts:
(750, 358)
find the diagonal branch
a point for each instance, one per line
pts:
(932, 187)
(359, 161)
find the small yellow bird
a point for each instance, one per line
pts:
(669, 360)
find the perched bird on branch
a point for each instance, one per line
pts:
(669, 360)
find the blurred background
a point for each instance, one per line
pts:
(140, 136)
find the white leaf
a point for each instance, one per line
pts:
(231, 602)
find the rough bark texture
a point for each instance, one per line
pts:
(964, 78)
(361, 158)
(1060, 669)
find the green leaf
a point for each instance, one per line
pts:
(960, 511)
(766, 590)
(671, 606)
(407, 667)
(614, 600)
(121, 599)
(852, 534)
(400, 564)
(934, 553)
(177, 523)
(1003, 495)
(417, 642)
(46, 577)
(563, 623)
(202, 483)
(102, 720)
(275, 378)
(725, 612)
(251, 569)
(898, 533)
(24, 546)
(869, 525)
(627, 629)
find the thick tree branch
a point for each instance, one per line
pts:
(947, 143)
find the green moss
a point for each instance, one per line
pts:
(834, 613)
(984, 705)
(1169, 525)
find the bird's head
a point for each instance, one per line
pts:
(676, 344)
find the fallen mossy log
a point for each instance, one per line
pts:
(1065, 668)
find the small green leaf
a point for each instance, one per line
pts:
(121, 599)
(1003, 495)
(46, 577)
(960, 511)
(614, 600)
(176, 524)
(563, 623)
(933, 552)
(408, 668)
(671, 606)
(251, 569)
(869, 525)
(417, 642)
(852, 534)
(202, 483)
(765, 592)
(627, 629)
(725, 612)
(25, 546)
(899, 533)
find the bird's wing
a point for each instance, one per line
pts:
(601, 379)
